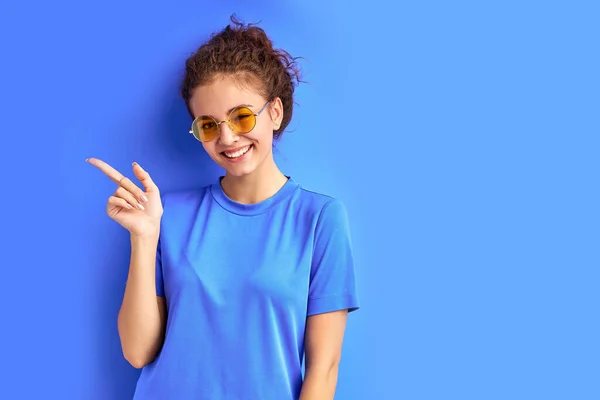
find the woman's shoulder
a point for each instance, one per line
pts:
(317, 196)
(320, 201)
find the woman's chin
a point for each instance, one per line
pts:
(239, 170)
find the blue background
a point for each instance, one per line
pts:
(462, 136)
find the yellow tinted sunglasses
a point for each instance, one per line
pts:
(241, 120)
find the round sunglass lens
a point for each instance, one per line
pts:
(205, 129)
(243, 120)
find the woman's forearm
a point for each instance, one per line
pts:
(319, 384)
(142, 316)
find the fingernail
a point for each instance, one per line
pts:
(141, 207)
(86, 160)
(144, 198)
(134, 164)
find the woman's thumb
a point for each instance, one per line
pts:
(144, 177)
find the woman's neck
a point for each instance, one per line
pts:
(258, 186)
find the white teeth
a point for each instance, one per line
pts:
(238, 153)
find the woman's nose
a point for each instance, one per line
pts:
(228, 135)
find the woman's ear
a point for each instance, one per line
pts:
(276, 112)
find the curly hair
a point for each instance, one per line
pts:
(245, 53)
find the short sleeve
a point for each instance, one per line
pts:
(332, 284)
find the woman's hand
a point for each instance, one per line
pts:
(139, 211)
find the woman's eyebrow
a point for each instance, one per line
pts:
(231, 109)
(238, 106)
(234, 107)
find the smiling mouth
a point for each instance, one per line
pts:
(237, 153)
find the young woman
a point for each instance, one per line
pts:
(232, 286)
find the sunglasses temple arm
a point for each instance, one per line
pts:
(262, 109)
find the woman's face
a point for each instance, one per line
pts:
(238, 154)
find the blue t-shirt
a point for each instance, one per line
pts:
(239, 282)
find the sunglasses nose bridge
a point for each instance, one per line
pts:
(229, 125)
(226, 122)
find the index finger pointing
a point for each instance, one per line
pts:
(112, 173)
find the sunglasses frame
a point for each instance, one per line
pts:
(228, 121)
